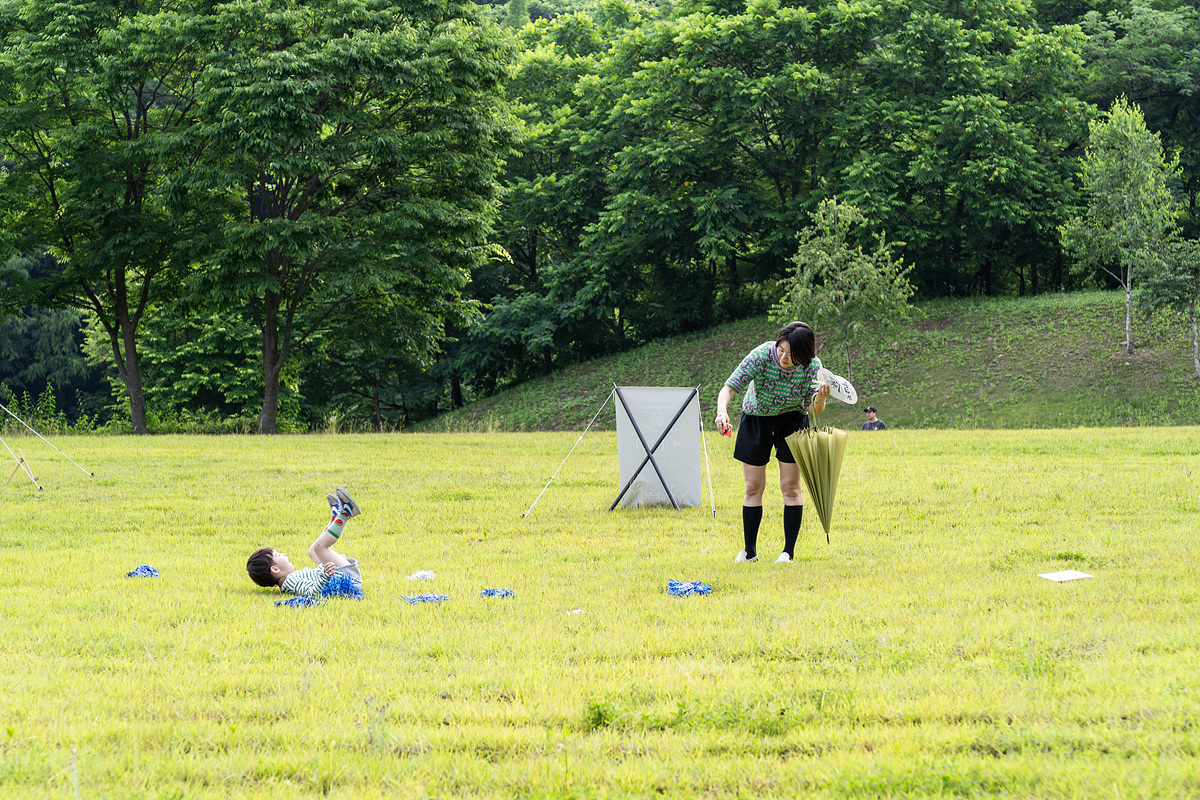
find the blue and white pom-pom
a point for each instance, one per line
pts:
(144, 571)
(342, 585)
(426, 598)
(300, 602)
(684, 588)
(497, 593)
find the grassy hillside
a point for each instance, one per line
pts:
(1054, 361)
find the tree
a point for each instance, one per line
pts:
(91, 105)
(1174, 283)
(552, 194)
(1151, 55)
(847, 293)
(1130, 211)
(516, 14)
(958, 137)
(355, 145)
(40, 350)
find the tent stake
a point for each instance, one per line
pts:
(21, 464)
(44, 439)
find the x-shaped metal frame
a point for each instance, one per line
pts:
(649, 459)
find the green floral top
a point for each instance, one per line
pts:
(770, 389)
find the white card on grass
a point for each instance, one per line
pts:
(1065, 575)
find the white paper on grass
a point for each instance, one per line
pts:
(653, 407)
(1065, 575)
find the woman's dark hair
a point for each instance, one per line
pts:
(259, 566)
(801, 340)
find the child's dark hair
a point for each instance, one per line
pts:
(801, 340)
(259, 566)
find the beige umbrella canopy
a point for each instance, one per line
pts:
(819, 453)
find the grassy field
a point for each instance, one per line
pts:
(1051, 361)
(917, 655)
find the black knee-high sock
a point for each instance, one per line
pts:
(792, 517)
(751, 517)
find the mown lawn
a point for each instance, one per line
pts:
(917, 655)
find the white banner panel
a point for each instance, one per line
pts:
(651, 409)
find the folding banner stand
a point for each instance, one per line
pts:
(670, 417)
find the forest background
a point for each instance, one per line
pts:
(384, 213)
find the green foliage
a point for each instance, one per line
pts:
(956, 140)
(41, 412)
(670, 157)
(1131, 212)
(516, 14)
(1173, 283)
(355, 146)
(1150, 53)
(850, 295)
(540, 314)
(92, 103)
(40, 349)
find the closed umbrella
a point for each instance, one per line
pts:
(819, 453)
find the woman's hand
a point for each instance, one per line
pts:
(818, 403)
(723, 426)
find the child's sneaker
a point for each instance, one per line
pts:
(741, 557)
(784, 558)
(349, 507)
(335, 505)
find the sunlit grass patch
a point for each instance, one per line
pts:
(918, 654)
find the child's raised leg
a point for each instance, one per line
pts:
(321, 551)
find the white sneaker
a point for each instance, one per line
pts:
(741, 557)
(784, 558)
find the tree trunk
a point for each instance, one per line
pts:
(378, 406)
(268, 418)
(731, 274)
(1195, 339)
(533, 255)
(124, 347)
(1128, 314)
(456, 392)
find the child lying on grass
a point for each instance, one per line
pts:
(269, 567)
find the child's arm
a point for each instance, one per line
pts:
(322, 553)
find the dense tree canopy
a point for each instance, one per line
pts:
(413, 206)
(91, 103)
(355, 145)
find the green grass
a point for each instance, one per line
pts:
(1052, 361)
(917, 655)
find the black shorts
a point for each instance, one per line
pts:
(757, 435)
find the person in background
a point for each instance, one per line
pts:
(873, 422)
(782, 391)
